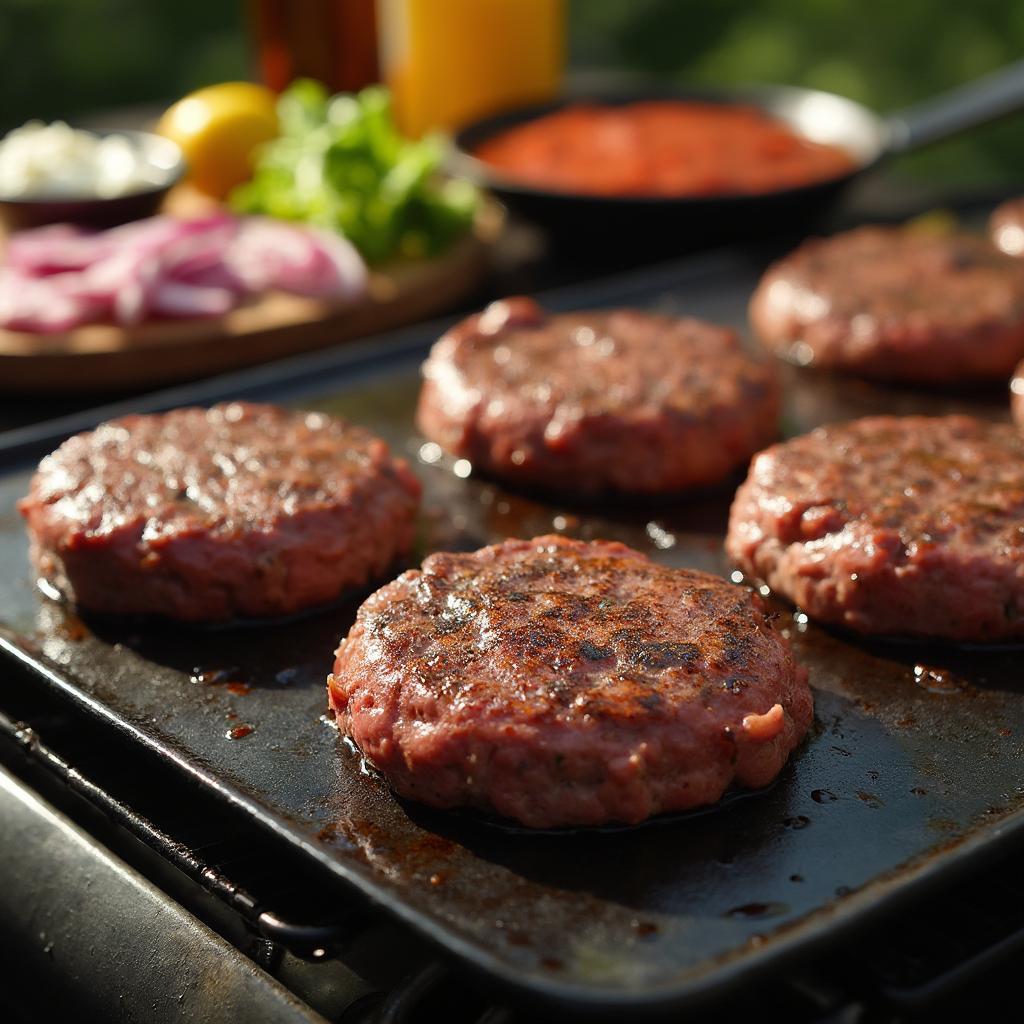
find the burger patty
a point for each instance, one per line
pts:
(591, 402)
(893, 525)
(895, 304)
(565, 683)
(204, 515)
(1017, 395)
(1006, 227)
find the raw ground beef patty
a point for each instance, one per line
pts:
(565, 683)
(588, 402)
(908, 526)
(204, 515)
(896, 304)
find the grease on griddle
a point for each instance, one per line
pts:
(796, 822)
(644, 929)
(213, 676)
(758, 910)
(870, 799)
(938, 680)
(288, 676)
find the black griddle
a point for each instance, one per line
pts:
(912, 771)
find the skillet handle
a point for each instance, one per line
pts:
(981, 101)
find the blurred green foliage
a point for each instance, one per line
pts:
(66, 58)
(341, 163)
(63, 58)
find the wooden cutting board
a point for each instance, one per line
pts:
(105, 357)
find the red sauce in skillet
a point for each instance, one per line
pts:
(661, 148)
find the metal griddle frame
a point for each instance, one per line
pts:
(276, 382)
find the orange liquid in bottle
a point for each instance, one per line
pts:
(449, 62)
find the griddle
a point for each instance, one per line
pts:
(912, 770)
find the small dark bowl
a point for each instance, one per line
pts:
(659, 225)
(167, 165)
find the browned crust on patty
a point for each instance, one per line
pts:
(910, 526)
(204, 515)
(559, 682)
(895, 304)
(597, 401)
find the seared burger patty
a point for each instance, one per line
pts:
(597, 401)
(559, 682)
(1017, 395)
(894, 525)
(1006, 226)
(895, 304)
(239, 510)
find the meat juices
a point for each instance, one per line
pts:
(564, 683)
(204, 515)
(593, 402)
(895, 304)
(907, 526)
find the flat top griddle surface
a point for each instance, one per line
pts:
(913, 766)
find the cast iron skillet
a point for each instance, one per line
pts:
(679, 224)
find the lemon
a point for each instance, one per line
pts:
(219, 128)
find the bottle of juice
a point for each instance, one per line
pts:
(333, 41)
(451, 61)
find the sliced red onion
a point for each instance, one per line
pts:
(60, 277)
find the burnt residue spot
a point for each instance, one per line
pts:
(796, 878)
(843, 890)
(591, 652)
(652, 701)
(517, 938)
(1004, 731)
(870, 799)
(239, 732)
(640, 652)
(552, 963)
(757, 910)
(841, 751)
(823, 796)
(644, 929)
(215, 676)
(919, 791)
(796, 822)
(72, 628)
(533, 641)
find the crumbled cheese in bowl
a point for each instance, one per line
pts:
(54, 161)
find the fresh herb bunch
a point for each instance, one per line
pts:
(340, 163)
